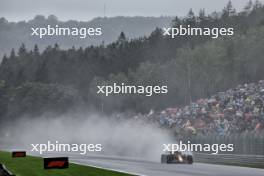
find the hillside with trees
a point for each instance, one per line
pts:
(192, 67)
(13, 34)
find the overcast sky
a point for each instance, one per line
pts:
(15, 10)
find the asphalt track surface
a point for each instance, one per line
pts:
(148, 168)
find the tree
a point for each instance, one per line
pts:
(257, 5)
(3, 99)
(202, 14)
(176, 22)
(4, 61)
(3, 21)
(13, 53)
(228, 10)
(190, 19)
(36, 50)
(37, 98)
(122, 37)
(22, 50)
(248, 7)
(39, 18)
(192, 67)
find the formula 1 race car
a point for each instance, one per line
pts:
(177, 157)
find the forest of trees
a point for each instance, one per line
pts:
(33, 82)
(12, 34)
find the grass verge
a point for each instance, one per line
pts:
(33, 166)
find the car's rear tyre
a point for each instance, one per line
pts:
(164, 158)
(189, 159)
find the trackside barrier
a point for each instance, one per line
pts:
(244, 143)
(232, 159)
(4, 171)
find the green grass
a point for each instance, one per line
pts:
(33, 166)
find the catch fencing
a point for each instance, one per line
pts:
(230, 159)
(244, 144)
(248, 149)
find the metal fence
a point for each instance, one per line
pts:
(244, 144)
(248, 149)
(231, 159)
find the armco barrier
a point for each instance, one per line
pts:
(4, 171)
(243, 160)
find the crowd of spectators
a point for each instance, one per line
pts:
(236, 110)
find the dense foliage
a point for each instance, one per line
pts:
(192, 67)
(12, 34)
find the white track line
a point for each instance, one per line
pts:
(116, 170)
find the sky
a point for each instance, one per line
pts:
(84, 10)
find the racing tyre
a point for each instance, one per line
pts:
(164, 159)
(189, 159)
